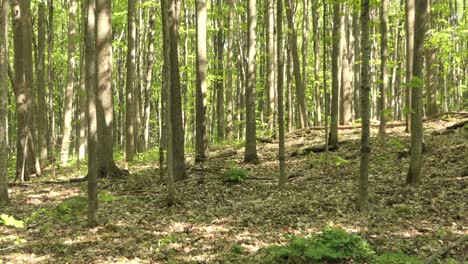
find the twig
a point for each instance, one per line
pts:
(439, 253)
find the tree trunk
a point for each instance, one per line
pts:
(83, 122)
(68, 106)
(315, 26)
(230, 48)
(50, 80)
(409, 25)
(41, 97)
(25, 157)
(270, 84)
(279, 86)
(105, 104)
(345, 91)
(250, 135)
(130, 84)
(220, 79)
(91, 82)
(416, 94)
(175, 108)
(4, 102)
(335, 71)
(201, 140)
(356, 65)
(363, 197)
(383, 67)
(300, 90)
(149, 78)
(431, 76)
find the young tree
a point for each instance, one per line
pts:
(279, 87)
(41, 93)
(230, 56)
(91, 82)
(220, 72)
(383, 67)
(68, 106)
(201, 89)
(363, 196)
(335, 70)
(416, 93)
(270, 110)
(50, 81)
(250, 129)
(130, 93)
(409, 25)
(345, 90)
(4, 101)
(104, 104)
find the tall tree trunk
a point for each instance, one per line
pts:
(166, 83)
(363, 196)
(383, 67)
(300, 90)
(345, 91)
(105, 104)
(201, 140)
(50, 81)
(279, 86)
(416, 93)
(149, 77)
(83, 122)
(41, 97)
(270, 83)
(250, 135)
(315, 26)
(230, 56)
(175, 105)
(409, 25)
(130, 84)
(335, 71)
(68, 106)
(431, 75)
(356, 65)
(4, 102)
(25, 157)
(220, 79)
(91, 88)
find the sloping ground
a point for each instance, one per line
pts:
(212, 218)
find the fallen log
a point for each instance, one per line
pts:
(441, 252)
(264, 140)
(224, 155)
(315, 149)
(458, 125)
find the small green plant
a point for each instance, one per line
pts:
(396, 258)
(9, 220)
(71, 208)
(235, 175)
(238, 249)
(332, 244)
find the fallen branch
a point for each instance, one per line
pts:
(441, 252)
(458, 125)
(224, 154)
(315, 149)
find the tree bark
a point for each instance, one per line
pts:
(416, 94)
(270, 83)
(317, 96)
(130, 83)
(220, 80)
(230, 56)
(345, 91)
(82, 114)
(4, 102)
(149, 77)
(279, 86)
(335, 71)
(383, 66)
(41, 97)
(250, 135)
(363, 196)
(409, 26)
(68, 100)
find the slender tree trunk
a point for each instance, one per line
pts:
(166, 83)
(409, 25)
(383, 67)
(130, 84)
(315, 26)
(250, 135)
(201, 140)
(220, 81)
(50, 80)
(4, 102)
(416, 94)
(363, 196)
(431, 75)
(345, 91)
(289, 92)
(270, 83)
(356, 65)
(68, 106)
(300, 90)
(229, 81)
(279, 86)
(149, 77)
(83, 122)
(105, 104)
(41, 97)
(91, 88)
(335, 71)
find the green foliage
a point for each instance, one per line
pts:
(397, 144)
(332, 244)
(105, 196)
(235, 174)
(238, 249)
(71, 208)
(9, 220)
(396, 258)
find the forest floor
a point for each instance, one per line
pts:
(218, 222)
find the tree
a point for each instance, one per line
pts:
(279, 87)
(335, 70)
(300, 90)
(130, 93)
(200, 135)
(104, 104)
(25, 155)
(345, 91)
(50, 81)
(416, 93)
(270, 110)
(409, 25)
(383, 67)
(230, 56)
(315, 28)
(363, 196)
(220, 80)
(41, 97)
(4, 101)
(91, 83)
(67, 108)
(250, 129)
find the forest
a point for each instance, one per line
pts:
(234, 131)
